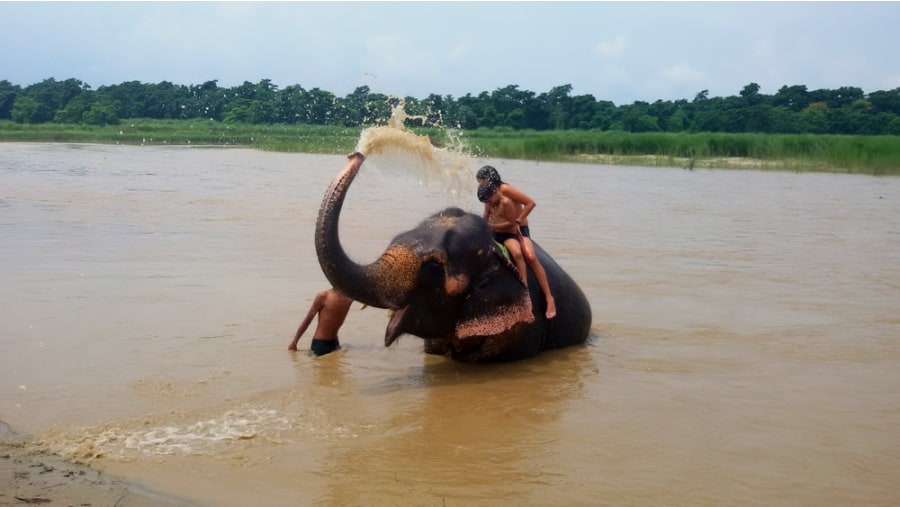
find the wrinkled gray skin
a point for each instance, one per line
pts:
(447, 283)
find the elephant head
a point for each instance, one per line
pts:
(445, 281)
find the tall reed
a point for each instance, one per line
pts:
(865, 154)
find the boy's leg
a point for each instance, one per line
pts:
(540, 274)
(515, 251)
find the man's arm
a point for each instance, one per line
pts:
(314, 308)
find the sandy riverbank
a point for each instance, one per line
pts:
(31, 476)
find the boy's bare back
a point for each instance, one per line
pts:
(332, 313)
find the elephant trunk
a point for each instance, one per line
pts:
(383, 284)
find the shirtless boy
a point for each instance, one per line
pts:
(332, 307)
(502, 213)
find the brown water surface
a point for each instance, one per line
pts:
(745, 349)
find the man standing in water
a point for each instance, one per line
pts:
(332, 307)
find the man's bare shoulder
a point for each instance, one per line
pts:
(332, 297)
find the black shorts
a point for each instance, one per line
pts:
(501, 237)
(322, 347)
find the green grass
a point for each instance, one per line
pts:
(300, 138)
(878, 155)
(859, 154)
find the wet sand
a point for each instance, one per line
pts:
(35, 477)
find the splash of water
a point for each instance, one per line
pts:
(131, 440)
(399, 116)
(446, 167)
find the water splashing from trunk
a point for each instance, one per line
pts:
(393, 145)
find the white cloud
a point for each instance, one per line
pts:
(400, 63)
(679, 81)
(612, 49)
(386, 50)
(683, 74)
(765, 51)
(613, 73)
(891, 81)
(460, 51)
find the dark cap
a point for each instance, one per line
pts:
(490, 174)
(486, 190)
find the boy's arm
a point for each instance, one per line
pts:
(317, 304)
(522, 198)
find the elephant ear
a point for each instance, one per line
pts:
(498, 301)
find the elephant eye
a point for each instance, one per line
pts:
(433, 268)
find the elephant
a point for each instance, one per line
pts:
(448, 282)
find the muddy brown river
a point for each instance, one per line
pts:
(745, 346)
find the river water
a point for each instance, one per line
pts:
(745, 347)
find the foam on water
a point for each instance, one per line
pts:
(146, 438)
(198, 434)
(203, 436)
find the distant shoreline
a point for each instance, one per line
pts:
(620, 160)
(874, 155)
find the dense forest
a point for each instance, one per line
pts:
(792, 110)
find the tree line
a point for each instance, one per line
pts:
(792, 110)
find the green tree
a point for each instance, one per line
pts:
(605, 113)
(677, 122)
(102, 112)
(814, 118)
(27, 109)
(74, 110)
(237, 111)
(490, 117)
(557, 104)
(292, 102)
(794, 98)
(708, 114)
(516, 119)
(750, 94)
(130, 98)
(320, 108)
(784, 121)
(53, 95)
(437, 107)
(467, 118)
(893, 126)
(204, 101)
(882, 101)
(353, 110)
(636, 118)
(471, 110)
(8, 94)
(581, 112)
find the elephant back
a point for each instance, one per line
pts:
(572, 324)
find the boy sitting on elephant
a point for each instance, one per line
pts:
(501, 213)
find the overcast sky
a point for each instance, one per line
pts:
(621, 52)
